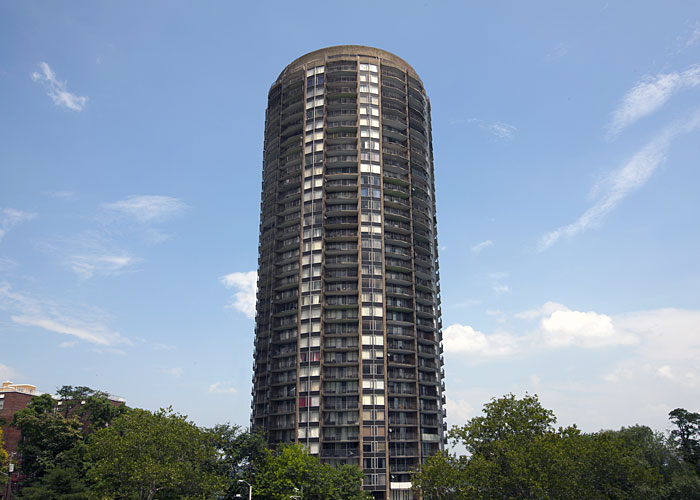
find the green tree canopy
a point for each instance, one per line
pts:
(291, 471)
(153, 456)
(514, 452)
(686, 435)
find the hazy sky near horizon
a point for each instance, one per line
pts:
(567, 150)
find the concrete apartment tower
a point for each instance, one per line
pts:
(348, 353)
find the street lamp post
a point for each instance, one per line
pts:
(250, 488)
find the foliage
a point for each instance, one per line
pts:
(144, 455)
(686, 436)
(516, 453)
(238, 451)
(290, 470)
(3, 460)
(45, 435)
(53, 442)
(62, 480)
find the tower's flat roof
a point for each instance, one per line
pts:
(321, 55)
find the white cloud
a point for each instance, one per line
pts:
(502, 130)
(6, 373)
(464, 339)
(499, 130)
(87, 265)
(56, 89)
(246, 285)
(480, 247)
(459, 411)
(95, 334)
(147, 208)
(500, 288)
(666, 372)
(649, 95)
(224, 387)
(27, 311)
(670, 336)
(10, 217)
(583, 329)
(618, 184)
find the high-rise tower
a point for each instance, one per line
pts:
(348, 354)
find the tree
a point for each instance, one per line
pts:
(238, 451)
(52, 446)
(686, 436)
(153, 456)
(3, 460)
(62, 480)
(514, 452)
(291, 469)
(45, 435)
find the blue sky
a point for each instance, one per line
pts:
(566, 138)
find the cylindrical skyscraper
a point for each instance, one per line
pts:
(348, 354)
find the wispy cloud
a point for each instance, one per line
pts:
(56, 89)
(147, 208)
(10, 217)
(6, 372)
(27, 311)
(91, 253)
(695, 36)
(649, 95)
(224, 387)
(497, 284)
(246, 286)
(500, 130)
(86, 266)
(480, 247)
(618, 184)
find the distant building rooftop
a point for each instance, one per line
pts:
(24, 388)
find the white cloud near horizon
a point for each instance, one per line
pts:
(147, 208)
(10, 217)
(56, 89)
(480, 247)
(649, 95)
(618, 184)
(246, 286)
(661, 337)
(27, 311)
